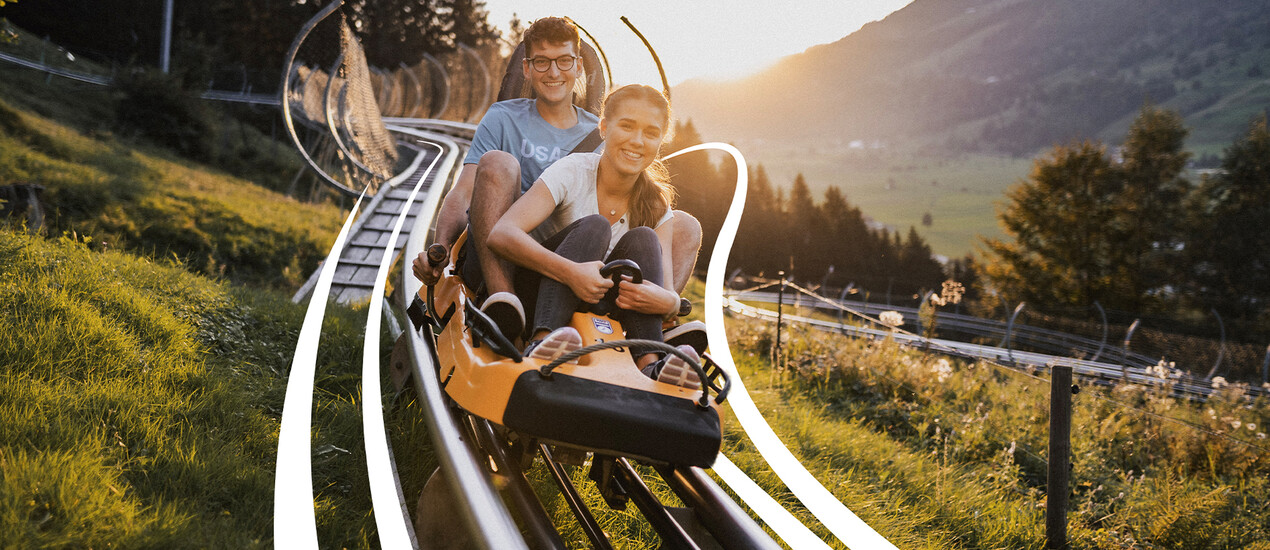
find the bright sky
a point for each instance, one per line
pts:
(715, 39)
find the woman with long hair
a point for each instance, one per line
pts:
(591, 208)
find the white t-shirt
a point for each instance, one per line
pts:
(571, 181)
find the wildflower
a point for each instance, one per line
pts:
(942, 369)
(1236, 423)
(891, 319)
(1164, 370)
(1251, 427)
(1219, 382)
(952, 292)
(1261, 435)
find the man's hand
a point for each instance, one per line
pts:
(429, 263)
(586, 283)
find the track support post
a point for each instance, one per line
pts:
(1057, 489)
(603, 470)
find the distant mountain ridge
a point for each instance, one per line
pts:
(1006, 76)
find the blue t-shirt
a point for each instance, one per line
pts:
(516, 127)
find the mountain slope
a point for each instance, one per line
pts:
(1006, 75)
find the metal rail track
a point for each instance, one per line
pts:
(359, 263)
(476, 460)
(1101, 372)
(1052, 341)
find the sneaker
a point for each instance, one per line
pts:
(561, 341)
(692, 333)
(505, 310)
(673, 370)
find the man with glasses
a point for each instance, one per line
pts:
(515, 141)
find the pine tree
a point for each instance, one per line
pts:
(1228, 242)
(806, 232)
(1149, 207)
(1061, 252)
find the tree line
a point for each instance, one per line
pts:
(826, 241)
(244, 42)
(1129, 229)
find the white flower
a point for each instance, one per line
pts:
(1219, 382)
(942, 369)
(1261, 435)
(952, 292)
(1251, 427)
(1236, 423)
(891, 319)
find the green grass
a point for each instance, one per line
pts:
(957, 459)
(151, 203)
(141, 405)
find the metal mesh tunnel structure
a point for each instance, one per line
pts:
(334, 106)
(333, 102)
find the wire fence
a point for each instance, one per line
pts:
(1141, 348)
(878, 322)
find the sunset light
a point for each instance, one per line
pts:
(715, 39)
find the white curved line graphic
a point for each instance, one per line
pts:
(787, 527)
(827, 509)
(389, 520)
(294, 523)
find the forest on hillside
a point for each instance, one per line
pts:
(1125, 228)
(825, 240)
(1006, 77)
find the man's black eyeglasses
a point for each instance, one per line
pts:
(543, 64)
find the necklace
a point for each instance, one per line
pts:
(613, 212)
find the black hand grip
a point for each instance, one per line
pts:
(437, 254)
(615, 270)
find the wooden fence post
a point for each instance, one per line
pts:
(1058, 487)
(778, 358)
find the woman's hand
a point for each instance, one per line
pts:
(586, 283)
(646, 297)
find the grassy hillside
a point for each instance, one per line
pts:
(141, 198)
(140, 389)
(141, 405)
(959, 192)
(945, 454)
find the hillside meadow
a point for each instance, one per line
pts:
(960, 192)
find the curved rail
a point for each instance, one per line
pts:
(604, 59)
(822, 504)
(665, 85)
(479, 111)
(285, 90)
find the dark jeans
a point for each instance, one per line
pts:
(550, 304)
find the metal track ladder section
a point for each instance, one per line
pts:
(359, 262)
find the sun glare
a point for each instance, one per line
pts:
(713, 39)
